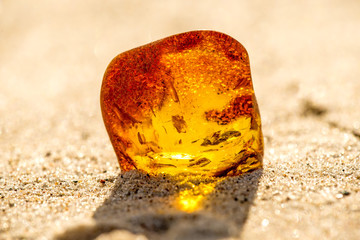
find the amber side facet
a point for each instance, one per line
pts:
(183, 104)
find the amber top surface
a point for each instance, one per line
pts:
(150, 74)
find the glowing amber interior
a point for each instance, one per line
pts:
(183, 104)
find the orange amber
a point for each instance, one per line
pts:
(183, 104)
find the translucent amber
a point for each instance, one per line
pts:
(183, 104)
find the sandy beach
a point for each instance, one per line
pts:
(59, 176)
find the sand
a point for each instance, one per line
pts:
(59, 177)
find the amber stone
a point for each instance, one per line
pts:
(183, 104)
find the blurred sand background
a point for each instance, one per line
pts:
(54, 150)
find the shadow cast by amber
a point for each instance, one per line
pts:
(165, 207)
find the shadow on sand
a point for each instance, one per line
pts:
(154, 207)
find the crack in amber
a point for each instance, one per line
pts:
(183, 104)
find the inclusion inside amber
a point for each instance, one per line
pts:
(183, 104)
